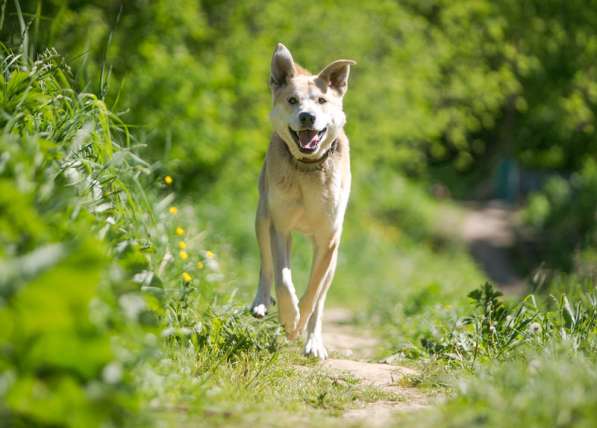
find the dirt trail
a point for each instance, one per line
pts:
(488, 231)
(352, 350)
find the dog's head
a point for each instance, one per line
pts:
(307, 112)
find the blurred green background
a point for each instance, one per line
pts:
(455, 107)
(458, 93)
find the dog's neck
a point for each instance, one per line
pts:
(307, 165)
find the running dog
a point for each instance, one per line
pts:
(303, 186)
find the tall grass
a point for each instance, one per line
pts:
(112, 302)
(97, 260)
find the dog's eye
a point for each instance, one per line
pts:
(292, 100)
(322, 100)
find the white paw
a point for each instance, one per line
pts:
(259, 310)
(314, 347)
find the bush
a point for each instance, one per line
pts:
(439, 82)
(562, 220)
(89, 272)
(62, 193)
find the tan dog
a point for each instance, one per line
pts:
(303, 186)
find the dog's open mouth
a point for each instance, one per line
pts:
(307, 140)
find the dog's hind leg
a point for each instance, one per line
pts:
(314, 346)
(288, 310)
(266, 274)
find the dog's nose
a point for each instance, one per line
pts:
(306, 118)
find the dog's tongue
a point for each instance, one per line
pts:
(307, 137)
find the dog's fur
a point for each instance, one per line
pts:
(304, 186)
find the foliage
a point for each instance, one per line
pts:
(562, 217)
(109, 297)
(459, 80)
(546, 389)
(463, 85)
(89, 278)
(60, 185)
(495, 331)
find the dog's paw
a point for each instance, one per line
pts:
(314, 347)
(259, 310)
(259, 307)
(289, 318)
(293, 334)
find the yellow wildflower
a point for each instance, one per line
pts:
(182, 245)
(172, 210)
(168, 180)
(209, 254)
(200, 265)
(183, 255)
(186, 277)
(179, 231)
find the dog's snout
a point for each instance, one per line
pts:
(306, 118)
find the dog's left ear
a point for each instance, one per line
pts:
(336, 75)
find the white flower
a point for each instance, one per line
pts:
(132, 305)
(169, 331)
(112, 373)
(143, 277)
(72, 175)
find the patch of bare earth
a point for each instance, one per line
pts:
(489, 232)
(354, 350)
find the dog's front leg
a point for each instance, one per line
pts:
(263, 224)
(324, 258)
(288, 311)
(314, 346)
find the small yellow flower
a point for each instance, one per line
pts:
(209, 254)
(168, 180)
(179, 231)
(186, 277)
(183, 255)
(172, 210)
(200, 265)
(182, 245)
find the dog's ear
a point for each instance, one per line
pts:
(282, 66)
(336, 75)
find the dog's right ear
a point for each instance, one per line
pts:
(282, 67)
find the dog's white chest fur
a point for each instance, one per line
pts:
(309, 202)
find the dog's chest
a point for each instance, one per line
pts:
(306, 201)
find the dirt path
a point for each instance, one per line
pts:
(488, 231)
(352, 350)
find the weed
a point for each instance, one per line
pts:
(496, 331)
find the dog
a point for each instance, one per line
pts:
(304, 186)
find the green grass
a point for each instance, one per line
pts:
(546, 388)
(104, 316)
(90, 245)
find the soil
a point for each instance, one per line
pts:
(353, 350)
(488, 232)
